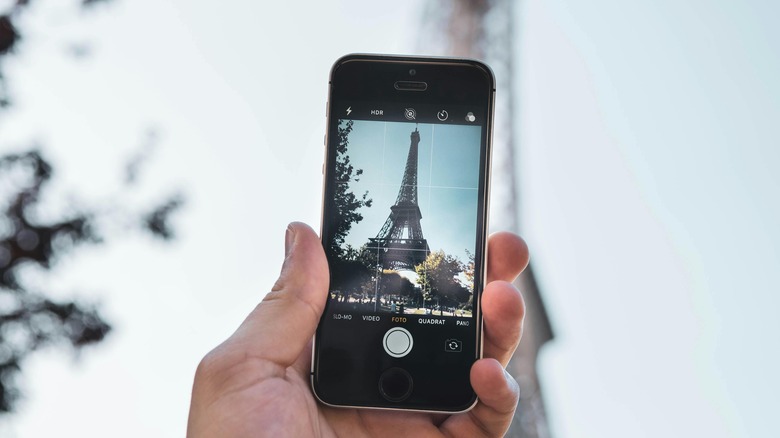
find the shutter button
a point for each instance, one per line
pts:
(398, 342)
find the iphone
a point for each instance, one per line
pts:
(404, 218)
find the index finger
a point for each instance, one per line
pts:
(502, 304)
(507, 256)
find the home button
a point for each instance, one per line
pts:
(395, 384)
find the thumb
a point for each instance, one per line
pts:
(281, 326)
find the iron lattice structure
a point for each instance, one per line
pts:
(486, 30)
(400, 243)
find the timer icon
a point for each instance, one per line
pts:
(442, 115)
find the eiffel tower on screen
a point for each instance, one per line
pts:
(400, 243)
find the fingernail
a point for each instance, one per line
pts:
(289, 240)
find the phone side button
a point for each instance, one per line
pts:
(395, 384)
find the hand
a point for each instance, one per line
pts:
(256, 383)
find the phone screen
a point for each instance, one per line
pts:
(403, 233)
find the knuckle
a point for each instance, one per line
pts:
(210, 364)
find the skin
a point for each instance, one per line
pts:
(256, 383)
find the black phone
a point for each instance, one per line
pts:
(405, 204)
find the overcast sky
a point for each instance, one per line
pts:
(649, 169)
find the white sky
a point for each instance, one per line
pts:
(649, 166)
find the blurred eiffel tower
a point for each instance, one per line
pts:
(484, 30)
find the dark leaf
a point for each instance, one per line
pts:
(157, 220)
(90, 3)
(8, 35)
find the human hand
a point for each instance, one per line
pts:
(256, 383)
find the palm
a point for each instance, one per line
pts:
(283, 405)
(257, 382)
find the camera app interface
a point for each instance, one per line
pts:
(403, 238)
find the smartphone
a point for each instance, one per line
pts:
(405, 204)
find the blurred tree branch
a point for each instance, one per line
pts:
(29, 320)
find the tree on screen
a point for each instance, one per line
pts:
(346, 202)
(395, 285)
(351, 268)
(437, 276)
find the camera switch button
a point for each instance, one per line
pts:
(398, 342)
